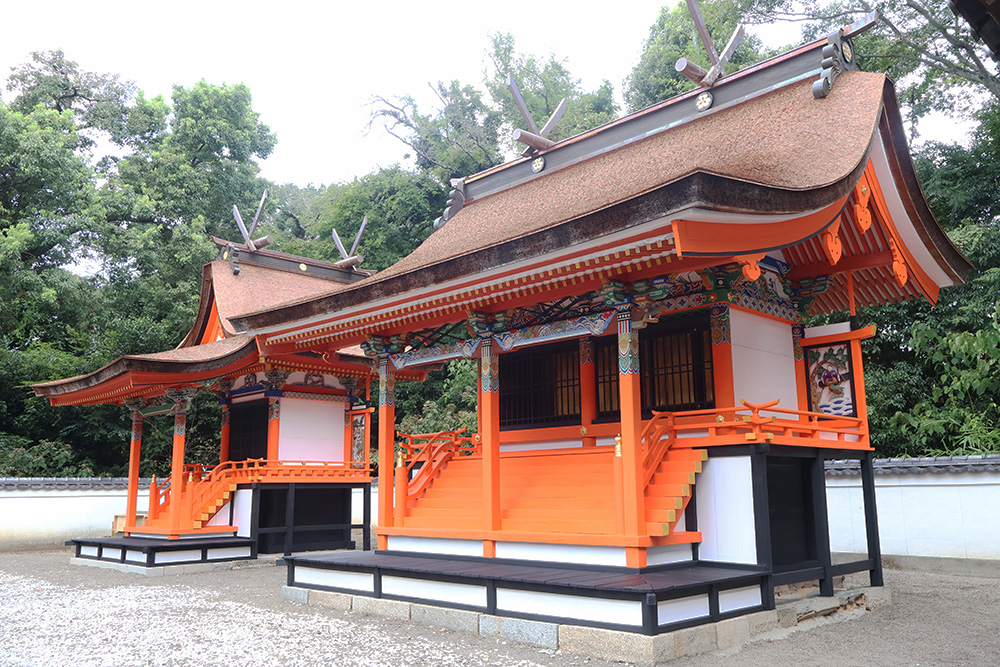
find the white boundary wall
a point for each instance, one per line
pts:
(37, 513)
(945, 515)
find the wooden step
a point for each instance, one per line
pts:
(667, 490)
(657, 529)
(457, 524)
(686, 455)
(662, 478)
(557, 516)
(664, 502)
(660, 515)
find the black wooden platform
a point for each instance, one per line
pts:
(153, 552)
(648, 586)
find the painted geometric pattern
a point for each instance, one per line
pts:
(720, 324)
(628, 345)
(490, 373)
(462, 348)
(386, 388)
(763, 297)
(593, 325)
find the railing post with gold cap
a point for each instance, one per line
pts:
(619, 488)
(402, 484)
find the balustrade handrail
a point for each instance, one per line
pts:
(203, 489)
(432, 455)
(762, 420)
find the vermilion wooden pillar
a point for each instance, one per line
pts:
(630, 402)
(273, 426)
(588, 389)
(489, 399)
(135, 449)
(177, 481)
(224, 436)
(386, 443)
(722, 356)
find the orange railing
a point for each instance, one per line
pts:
(658, 436)
(205, 485)
(424, 454)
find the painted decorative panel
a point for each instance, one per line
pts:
(830, 382)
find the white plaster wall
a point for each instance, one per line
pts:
(46, 517)
(950, 515)
(311, 430)
(725, 510)
(763, 359)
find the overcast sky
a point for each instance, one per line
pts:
(313, 67)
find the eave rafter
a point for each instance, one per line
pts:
(529, 284)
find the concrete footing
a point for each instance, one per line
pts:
(791, 613)
(162, 570)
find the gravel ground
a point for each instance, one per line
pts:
(54, 613)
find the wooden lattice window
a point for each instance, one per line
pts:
(675, 361)
(540, 386)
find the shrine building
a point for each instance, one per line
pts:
(295, 427)
(653, 415)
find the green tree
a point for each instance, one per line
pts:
(400, 206)
(543, 84)
(100, 103)
(672, 36)
(932, 55)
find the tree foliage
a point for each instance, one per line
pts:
(936, 61)
(672, 36)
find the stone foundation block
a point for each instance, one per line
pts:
(489, 625)
(300, 595)
(732, 631)
(330, 599)
(877, 596)
(612, 645)
(393, 609)
(536, 633)
(453, 619)
(699, 639)
(761, 622)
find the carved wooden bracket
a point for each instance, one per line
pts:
(832, 246)
(899, 269)
(862, 214)
(749, 265)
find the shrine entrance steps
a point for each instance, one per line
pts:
(553, 492)
(648, 601)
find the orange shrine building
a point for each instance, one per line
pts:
(653, 415)
(294, 434)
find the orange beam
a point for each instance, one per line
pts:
(845, 265)
(720, 239)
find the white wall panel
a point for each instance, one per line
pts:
(682, 609)
(947, 515)
(438, 591)
(355, 581)
(739, 598)
(562, 553)
(673, 553)
(725, 510)
(624, 612)
(763, 359)
(242, 514)
(311, 430)
(435, 545)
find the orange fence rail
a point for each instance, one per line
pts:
(765, 422)
(424, 454)
(203, 485)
